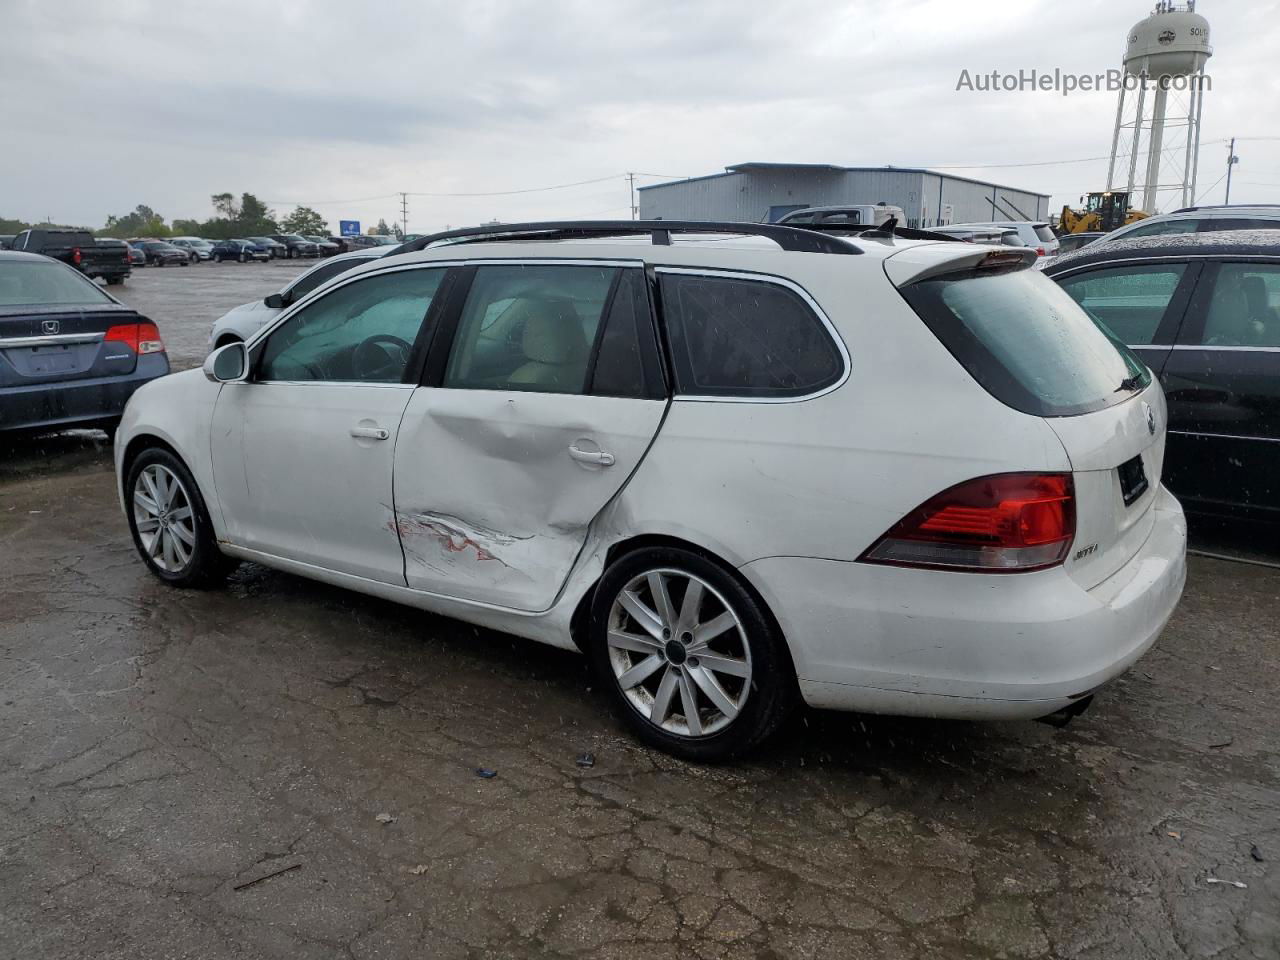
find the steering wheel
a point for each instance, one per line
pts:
(380, 357)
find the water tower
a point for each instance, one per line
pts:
(1163, 68)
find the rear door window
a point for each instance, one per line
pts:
(1162, 228)
(1024, 339)
(1237, 223)
(1130, 302)
(1242, 308)
(532, 328)
(738, 337)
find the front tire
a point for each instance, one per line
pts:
(690, 657)
(170, 523)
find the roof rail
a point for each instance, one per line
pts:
(861, 229)
(797, 239)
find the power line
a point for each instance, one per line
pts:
(507, 193)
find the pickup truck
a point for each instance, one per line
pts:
(78, 249)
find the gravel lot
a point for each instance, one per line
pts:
(206, 774)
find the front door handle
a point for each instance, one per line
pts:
(370, 433)
(598, 457)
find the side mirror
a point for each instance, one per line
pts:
(228, 364)
(275, 301)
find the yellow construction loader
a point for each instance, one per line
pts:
(1103, 211)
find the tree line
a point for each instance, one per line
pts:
(242, 216)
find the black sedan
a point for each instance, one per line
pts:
(161, 254)
(296, 246)
(239, 250)
(1203, 311)
(277, 249)
(70, 353)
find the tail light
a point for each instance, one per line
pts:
(141, 337)
(126, 256)
(75, 256)
(1008, 523)
(1040, 251)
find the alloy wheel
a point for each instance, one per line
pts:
(164, 518)
(679, 652)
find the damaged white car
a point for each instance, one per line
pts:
(740, 466)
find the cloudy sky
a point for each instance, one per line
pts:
(343, 105)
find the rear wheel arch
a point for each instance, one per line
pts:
(579, 623)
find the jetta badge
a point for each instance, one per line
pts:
(50, 326)
(1151, 418)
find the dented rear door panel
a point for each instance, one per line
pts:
(491, 502)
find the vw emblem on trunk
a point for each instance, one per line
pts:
(50, 326)
(1151, 418)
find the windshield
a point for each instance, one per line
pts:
(26, 284)
(1027, 342)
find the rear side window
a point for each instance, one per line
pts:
(1045, 233)
(527, 327)
(1162, 228)
(1027, 342)
(733, 337)
(1129, 302)
(1242, 309)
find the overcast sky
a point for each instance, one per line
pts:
(340, 105)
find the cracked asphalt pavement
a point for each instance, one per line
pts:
(283, 769)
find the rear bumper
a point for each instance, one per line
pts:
(50, 406)
(880, 639)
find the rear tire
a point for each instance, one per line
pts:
(170, 523)
(661, 657)
(244, 258)
(114, 281)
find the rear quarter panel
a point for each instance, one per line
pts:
(826, 477)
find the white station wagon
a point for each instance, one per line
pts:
(738, 465)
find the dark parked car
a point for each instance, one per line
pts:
(137, 256)
(241, 250)
(76, 248)
(160, 253)
(6, 241)
(326, 247)
(296, 246)
(1203, 312)
(277, 249)
(70, 353)
(341, 243)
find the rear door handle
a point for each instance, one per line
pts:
(598, 457)
(370, 433)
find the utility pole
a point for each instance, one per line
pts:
(631, 181)
(404, 213)
(1232, 160)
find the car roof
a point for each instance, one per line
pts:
(24, 257)
(1164, 246)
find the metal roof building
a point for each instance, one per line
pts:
(766, 191)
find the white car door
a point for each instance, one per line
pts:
(302, 452)
(542, 398)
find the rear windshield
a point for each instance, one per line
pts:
(1044, 232)
(1027, 342)
(45, 284)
